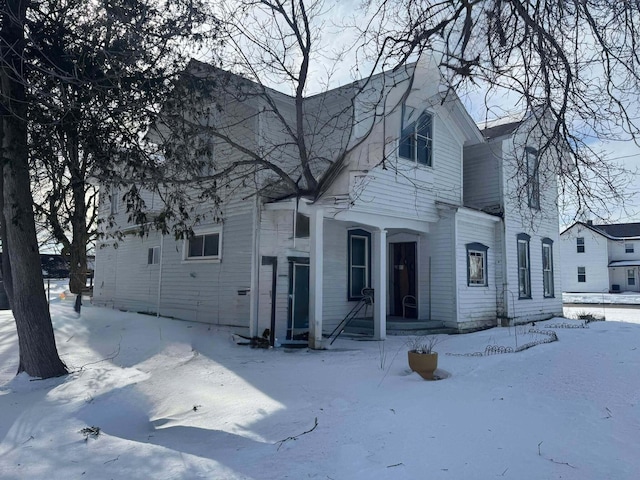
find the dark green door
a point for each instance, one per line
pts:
(299, 302)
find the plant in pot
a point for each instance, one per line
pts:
(422, 357)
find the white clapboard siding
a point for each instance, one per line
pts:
(443, 271)
(201, 291)
(482, 175)
(539, 224)
(476, 304)
(594, 259)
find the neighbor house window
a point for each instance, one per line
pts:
(582, 274)
(533, 177)
(631, 276)
(477, 264)
(416, 137)
(153, 256)
(580, 244)
(524, 272)
(547, 267)
(114, 193)
(302, 225)
(629, 248)
(359, 251)
(203, 246)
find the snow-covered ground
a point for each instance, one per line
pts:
(179, 400)
(624, 298)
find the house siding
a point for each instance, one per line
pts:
(191, 290)
(595, 260)
(477, 304)
(538, 224)
(443, 271)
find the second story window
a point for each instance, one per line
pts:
(533, 178)
(416, 137)
(114, 193)
(629, 248)
(580, 244)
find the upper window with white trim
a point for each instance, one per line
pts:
(629, 247)
(204, 245)
(416, 136)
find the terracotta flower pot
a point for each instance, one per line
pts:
(423, 363)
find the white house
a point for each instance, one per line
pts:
(601, 258)
(423, 212)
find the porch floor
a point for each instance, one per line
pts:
(398, 326)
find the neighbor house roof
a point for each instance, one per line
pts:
(614, 231)
(625, 263)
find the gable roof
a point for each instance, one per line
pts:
(620, 230)
(613, 231)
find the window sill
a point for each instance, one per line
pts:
(525, 298)
(201, 260)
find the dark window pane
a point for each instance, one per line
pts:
(195, 246)
(302, 225)
(358, 251)
(211, 245)
(406, 143)
(358, 281)
(424, 154)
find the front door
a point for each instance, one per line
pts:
(404, 280)
(298, 325)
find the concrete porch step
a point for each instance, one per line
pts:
(399, 326)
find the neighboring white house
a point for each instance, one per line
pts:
(423, 212)
(601, 258)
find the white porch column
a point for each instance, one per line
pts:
(316, 260)
(379, 280)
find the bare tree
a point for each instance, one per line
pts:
(573, 66)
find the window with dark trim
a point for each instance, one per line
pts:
(533, 177)
(631, 276)
(580, 244)
(582, 274)
(416, 137)
(547, 268)
(203, 246)
(153, 256)
(477, 264)
(629, 248)
(359, 252)
(524, 271)
(302, 225)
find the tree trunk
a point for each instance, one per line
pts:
(38, 352)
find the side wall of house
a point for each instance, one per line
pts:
(482, 174)
(476, 303)
(538, 224)
(443, 270)
(594, 259)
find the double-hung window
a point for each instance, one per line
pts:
(631, 276)
(524, 272)
(533, 177)
(582, 274)
(477, 264)
(153, 256)
(416, 137)
(359, 251)
(580, 244)
(205, 245)
(114, 194)
(547, 267)
(629, 248)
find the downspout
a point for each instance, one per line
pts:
(255, 271)
(160, 274)
(455, 266)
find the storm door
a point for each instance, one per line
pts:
(404, 301)
(298, 325)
